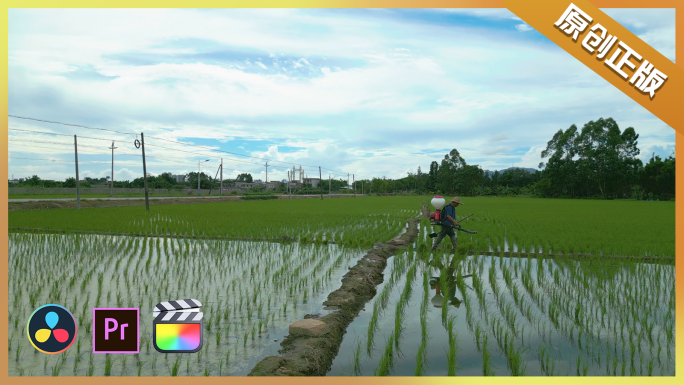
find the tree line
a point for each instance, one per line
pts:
(597, 161)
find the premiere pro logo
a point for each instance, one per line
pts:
(116, 330)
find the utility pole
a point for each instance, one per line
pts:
(78, 190)
(329, 184)
(353, 181)
(347, 181)
(199, 175)
(147, 198)
(320, 180)
(288, 183)
(221, 184)
(266, 172)
(112, 180)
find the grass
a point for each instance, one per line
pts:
(351, 220)
(587, 226)
(116, 195)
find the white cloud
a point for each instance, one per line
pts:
(523, 27)
(398, 88)
(656, 27)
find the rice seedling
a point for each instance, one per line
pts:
(586, 305)
(108, 365)
(451, 355)
(175, 367)
(486, 364)
(387, 360)
(357, 360)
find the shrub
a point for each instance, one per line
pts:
(259, 197)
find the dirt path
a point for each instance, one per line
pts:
(70, 203)
(313, 356)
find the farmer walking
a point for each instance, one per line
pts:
(449, 213)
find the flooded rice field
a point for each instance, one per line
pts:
(250, 293)
(443, 314)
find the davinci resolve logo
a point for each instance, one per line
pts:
(51, 329)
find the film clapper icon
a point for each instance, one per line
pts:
(177, 326)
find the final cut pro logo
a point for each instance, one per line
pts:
(178, 326)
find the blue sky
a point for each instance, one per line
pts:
(373, 92)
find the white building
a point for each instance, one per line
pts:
(312, 181)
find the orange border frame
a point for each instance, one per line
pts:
(679, 270)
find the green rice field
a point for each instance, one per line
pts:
(444, 314)
(532, 293)
(250, 293)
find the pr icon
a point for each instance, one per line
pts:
(51, 329)
(116, 330)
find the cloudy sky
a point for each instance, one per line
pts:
(370, 92)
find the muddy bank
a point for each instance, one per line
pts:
(90, 203)
(313, 355)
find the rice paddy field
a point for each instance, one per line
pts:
(533, 293)
(250, 291)
(443, 314)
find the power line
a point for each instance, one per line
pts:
(43, 142)
(54, 133)
(72, 125)
(49, 148)
(167, 148)
(167, 140)
(96, 147)
(237, 154)
(57, 160)
(200, 154)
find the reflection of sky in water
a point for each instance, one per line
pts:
(171, 276)
(537, 339)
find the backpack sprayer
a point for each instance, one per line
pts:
(436, 218)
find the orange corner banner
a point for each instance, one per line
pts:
(610, 50)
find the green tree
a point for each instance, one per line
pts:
(69, 182)
(33, 181)
(607, 158)
(433, 176)
(206, 181)
(561, 168)
(245, 177)
(657, 178)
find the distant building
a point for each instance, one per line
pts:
(244, 185)
(312, 181)
(180, 178)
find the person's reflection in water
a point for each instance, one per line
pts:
(435, 282)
